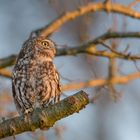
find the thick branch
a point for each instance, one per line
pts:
(44, 118)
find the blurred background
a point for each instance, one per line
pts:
(102, 120)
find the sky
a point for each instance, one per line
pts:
(103, 120)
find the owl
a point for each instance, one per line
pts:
(35, 80)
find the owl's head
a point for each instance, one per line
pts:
(44, 47)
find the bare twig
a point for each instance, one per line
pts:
(112, 71)
(91, 7)
(5, 73)
(7, 61)
(133, 3)
(101, 82)
(88, 48)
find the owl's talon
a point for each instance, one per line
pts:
(27, 111)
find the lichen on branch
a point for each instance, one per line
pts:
(45, 117)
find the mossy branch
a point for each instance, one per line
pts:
(45, 117)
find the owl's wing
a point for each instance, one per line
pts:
(15, 94)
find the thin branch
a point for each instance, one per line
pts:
(87, 48)
(44, 118)
(112, 71)
(91, 7)
(101, 82)
(7, 61)
(5, 73)
(133, 3)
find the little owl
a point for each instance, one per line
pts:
(35, 80)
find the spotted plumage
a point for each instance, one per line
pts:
(35, 81)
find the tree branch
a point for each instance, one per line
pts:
(44, 118)
(7, 61)
(5, 73)
(87, 48)
(91, 7)
(101, 82)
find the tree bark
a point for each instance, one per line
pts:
(44, 118)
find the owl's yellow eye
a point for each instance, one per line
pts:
(45, 43)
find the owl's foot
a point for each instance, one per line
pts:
(27, 113)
